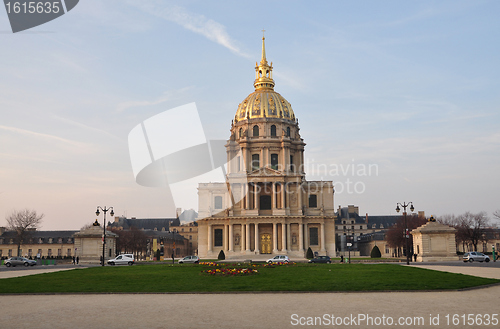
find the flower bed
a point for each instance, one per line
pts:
(230, 271)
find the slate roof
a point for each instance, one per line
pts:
(44, 235)
(374, 222)
(160, 224)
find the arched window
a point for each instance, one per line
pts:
(217, 203)
(255, 131)
(241, 132)
(288, 131)
(255, 162)
(273, 130)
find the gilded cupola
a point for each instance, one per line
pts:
(264, 102)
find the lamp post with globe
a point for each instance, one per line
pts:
(112, 213)
(407, 236)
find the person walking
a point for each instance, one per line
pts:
(77, 260)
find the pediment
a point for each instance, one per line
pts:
(265, 172)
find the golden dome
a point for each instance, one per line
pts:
(264, 102)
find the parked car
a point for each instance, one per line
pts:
(189, 260)
(13, 261)
(321, 259)
(475, 256)
(123, 259)
(279, 259)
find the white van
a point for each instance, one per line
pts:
(123, 259)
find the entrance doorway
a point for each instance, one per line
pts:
(265, 243)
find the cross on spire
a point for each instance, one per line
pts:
(263, 31)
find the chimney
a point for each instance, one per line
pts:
(366, 218)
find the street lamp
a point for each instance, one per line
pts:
(112, 213)
(407, 236)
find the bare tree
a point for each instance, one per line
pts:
(471, 228)
(22, 222)
(395, 234)
(496, 214)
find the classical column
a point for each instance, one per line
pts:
(275, 238)
(231, 237)
(299, 192)
(247, 196)
(224, 243)
(282, 195)
(256, 238)
(301, 237)
(242, 237)
(247, 240)
(322, 242)
(273, 197)
(306, 237)
(288, 237)
(256, 196)
(283, 237)
(210, 237)
(254, 193)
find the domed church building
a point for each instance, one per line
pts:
(266, 206)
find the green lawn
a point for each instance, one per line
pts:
(188, 278)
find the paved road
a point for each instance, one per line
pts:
(281, 310)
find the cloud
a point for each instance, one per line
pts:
(197, 23)
(169, 95)
(83, 126)
(45, 136)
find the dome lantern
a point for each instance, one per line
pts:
(264, 102)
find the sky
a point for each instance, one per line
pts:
(396, 101)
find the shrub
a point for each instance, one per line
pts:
(309, 253)
(375, 253)
(221, 256)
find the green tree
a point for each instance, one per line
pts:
(309, 253)
(375, 253)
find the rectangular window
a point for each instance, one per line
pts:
(59, 252)
(40, 252)
(217, 203)
(10, 253)
(218, 237)
(387, 249)
(238, 164)
(255, 162)
(30, 252)
(313, 236)
(49, 253)
(292, 165)
(274, 161)
(69, 252)
(313, 201)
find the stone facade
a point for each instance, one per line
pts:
(434, 242)
(88, 245)
(265, 206)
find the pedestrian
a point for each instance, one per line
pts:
(341, 258)
(74, 260)
(77, 260)
(415, 257)
(172, 258)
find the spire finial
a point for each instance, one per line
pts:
(263, 59)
